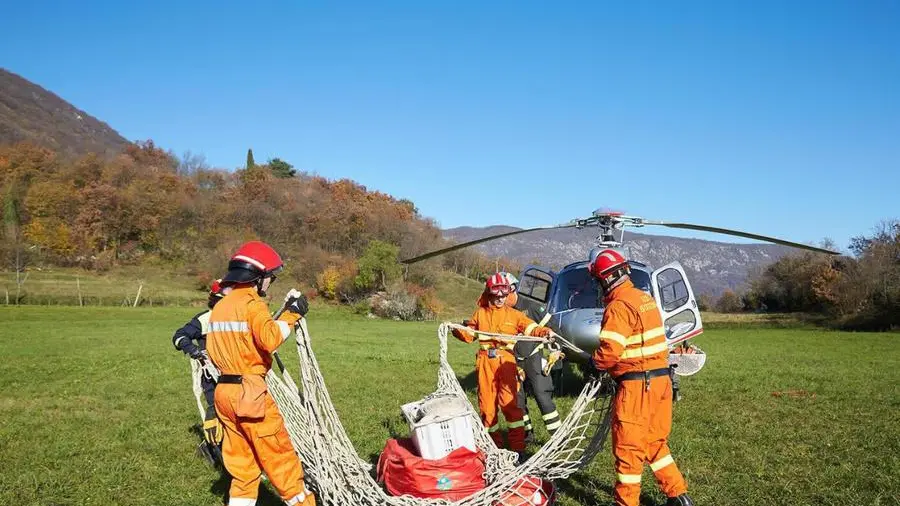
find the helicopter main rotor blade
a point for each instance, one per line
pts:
(455, 247)
(704, 228)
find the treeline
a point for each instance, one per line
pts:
(861, 291)
(146, 206)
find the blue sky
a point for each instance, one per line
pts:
(776, 117)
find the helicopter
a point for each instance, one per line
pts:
(570, 303)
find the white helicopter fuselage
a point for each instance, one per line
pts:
(568, 301)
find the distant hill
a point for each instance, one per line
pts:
(28, 112)
(712, 267)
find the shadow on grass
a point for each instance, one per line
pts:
(586, 489)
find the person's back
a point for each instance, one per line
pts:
(632, 320)
(242, 336)
(633, 350)
(243, 340)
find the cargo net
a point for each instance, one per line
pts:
(339, 476)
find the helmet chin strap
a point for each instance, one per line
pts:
(259, 287)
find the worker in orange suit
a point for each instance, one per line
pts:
(241, 339)
(633, 350)
(495, 364)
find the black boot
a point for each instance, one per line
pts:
(682, 500)
(529, 437)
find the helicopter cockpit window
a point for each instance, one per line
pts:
(578, 289)
(641, 280)
(535, 284)
(672, 290)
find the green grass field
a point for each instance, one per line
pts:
(96, 409)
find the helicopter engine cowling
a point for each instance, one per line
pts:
(580, 326)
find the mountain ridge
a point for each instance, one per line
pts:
(30, 112)
(712, 266)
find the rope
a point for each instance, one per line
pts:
(339, 476)
(554, 337)
(503, 337)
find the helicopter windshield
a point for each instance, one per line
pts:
(578, 289)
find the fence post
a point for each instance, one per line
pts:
(137, 297)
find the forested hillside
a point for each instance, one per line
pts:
(144, 206)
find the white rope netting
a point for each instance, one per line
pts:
(339, 476)
(687, 360)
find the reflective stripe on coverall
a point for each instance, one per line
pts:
(632, 339)
(498, 382)
(530, 358)
(241, 338)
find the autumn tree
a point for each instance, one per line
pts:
(729, 302)
(704, 302)
(16, 255)
(378, 266)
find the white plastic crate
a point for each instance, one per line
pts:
(439, 425)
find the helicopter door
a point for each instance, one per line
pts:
(676, 302)
(535, 286)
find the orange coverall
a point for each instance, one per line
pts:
(632, 339)
(241, 338)
(495, 366)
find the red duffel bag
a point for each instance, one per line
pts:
(454, 477)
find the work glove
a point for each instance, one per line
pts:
(212, 430)
(552, 359)
(521, 373)
(457, 333)
(541, 332)
(594, 371)
(192, 350)
(296, 302)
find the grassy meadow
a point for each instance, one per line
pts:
(96, 409)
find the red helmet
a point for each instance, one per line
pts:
(252, 261)
(603, 260)
(608, 266)
(215, 293)
(497, 284)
